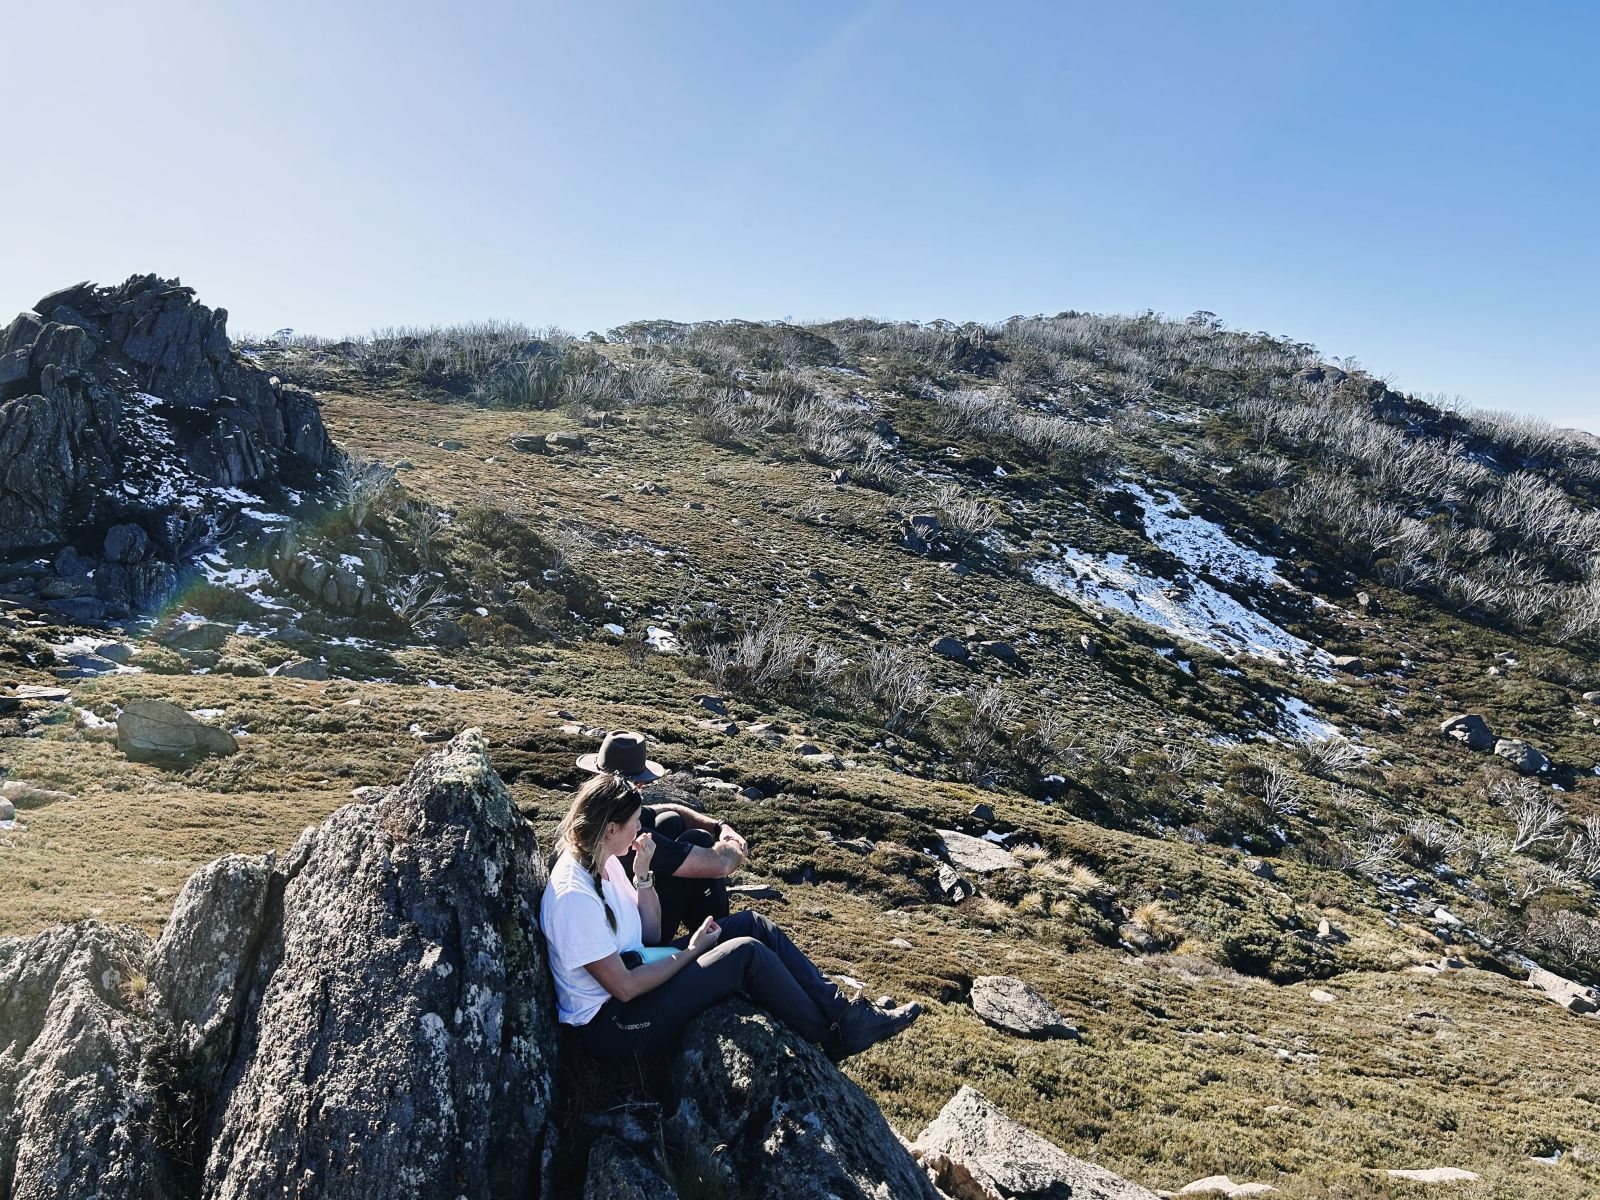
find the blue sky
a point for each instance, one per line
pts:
(1413, 184)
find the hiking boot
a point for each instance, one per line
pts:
(865, 1024)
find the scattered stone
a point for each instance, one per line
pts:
(8, 811)
(1522, 756)
(155, 731)
(694, 506)
(755, 891)
(1088, 645)
(1572, 996)
(721, 728)
(529, 443)
(566, 441)
(1010, 1004)
(450, 444)
(975, 1152)
(1471, 730)
(9, 704)
(806, 748)
(1322, 997)
(714, 704)
(949, 647)
(1004, 651)
(20, 791)
(1352, 664)
(1436, 1175)
(822, 761)
(974, 854)
(197, 635)
(1225, 1185)
(118, 652)
(899, 943)
(1260, 868)
(36, 691)
(1368, 602)
(369, 794)
(982, 813)
(1327, 931)
(752, 793)
(952, 886)
(1591, 697)
(302, 668)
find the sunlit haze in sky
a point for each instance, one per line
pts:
(1410, 184)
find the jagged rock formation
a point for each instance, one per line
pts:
(771, 1116)
(370, 1015)
(125, 420)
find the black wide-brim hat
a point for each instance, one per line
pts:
(622, 752)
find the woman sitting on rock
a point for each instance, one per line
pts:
(597, 922)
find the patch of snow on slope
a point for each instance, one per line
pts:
(1198, 613)
(1201, 544)
(1301, 720)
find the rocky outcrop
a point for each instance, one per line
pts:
(763, 1113)
(71, 1041)
(369, 1016)
(126, 421)
(975, 1152)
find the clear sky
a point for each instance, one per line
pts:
(1414, 184)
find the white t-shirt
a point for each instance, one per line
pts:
(574, 923)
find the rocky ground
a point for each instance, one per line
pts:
(1153, 805)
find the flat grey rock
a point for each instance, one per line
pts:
(974, 854)
(1010, 1004)
(155, 731)
(975, 1152)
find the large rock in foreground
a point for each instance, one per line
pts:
(71, 1039)
(976, 1152)
(764, 1110)
(368, 1017)
(398, 1023)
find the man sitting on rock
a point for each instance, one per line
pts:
(694, 854)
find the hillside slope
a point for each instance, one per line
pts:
(1171, 614)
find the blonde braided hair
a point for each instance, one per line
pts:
(606, 798)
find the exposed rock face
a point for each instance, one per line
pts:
(399, 1024)
(766, 1111)
(124, 411)
(155, 731)
(1012, 1005)
(975, 1152)
(70, 1043)
(371, 1016)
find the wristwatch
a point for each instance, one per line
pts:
(649, 880)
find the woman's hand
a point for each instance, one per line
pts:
(705, 937)
(644, 849)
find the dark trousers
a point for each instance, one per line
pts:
(687, 902)
(753, 957)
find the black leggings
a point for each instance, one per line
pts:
(754, 957)
(687, 901)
